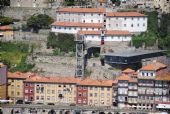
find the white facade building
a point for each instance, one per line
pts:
(110, 36)
(132, 21)
(73, 20)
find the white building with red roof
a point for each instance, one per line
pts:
(91, 21)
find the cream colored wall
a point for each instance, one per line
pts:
(102, 96)
(52, 91)
(16, 87)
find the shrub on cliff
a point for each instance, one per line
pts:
(40, 21)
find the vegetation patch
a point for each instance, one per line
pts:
(61, 43)
(14, 56)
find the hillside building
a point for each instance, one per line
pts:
(162, 5)
(3, 82)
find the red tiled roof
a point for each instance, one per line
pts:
(108, 32)
(125, 14)
(163, 77)
(128, 70)
(52, 79)
(154, 66)
(90, 82)
(82, 10)
(77, 24)
(6, 27)
(19, 75)
(125, 78)
(102, 1)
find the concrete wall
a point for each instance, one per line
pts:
(25, 13)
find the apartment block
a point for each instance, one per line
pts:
(93, 20)
(94, 92)
(16, 85)
(51, 89)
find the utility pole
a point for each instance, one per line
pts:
(80, 66)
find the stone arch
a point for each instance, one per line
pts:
(67, 112)
(109, 113)
(93, 112)
(101, 113)
(52, 112)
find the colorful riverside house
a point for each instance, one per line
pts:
(151, 85)
(127, 91)
(3, 81)
(16, 85)
(94, 92)
(53, 89)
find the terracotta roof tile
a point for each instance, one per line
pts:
(126, 78)
(108, 32)
(154, 66)
(19, 75)
(125, 14)
(102, 1)
(90, 82)
(6, 27)
(82, 10)
(163, 77)
(128, 70)
(52, 79)
(77, 24)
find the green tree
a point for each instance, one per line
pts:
(40, 21)
(6, 20)
(61, 42)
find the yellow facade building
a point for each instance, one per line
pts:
(53, 89)
(15, 85)
(99, 92)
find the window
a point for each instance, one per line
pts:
(53, 92)
(143, 24)
(18, 86)
(91, 21)
(91, 14)
(131, 25)
(79, 94)
(86, 28)
(37, 97)
(84, 94)
(108, 89)
(102, 88)
(92, 28)
(132, 18)
(48, 91)
(116, 25)
(91, 94)
(48, 97)
(64, 86)
(83, 21)
(96, 88)
(138, 18)
(84, 88)
(59, 85)
(125, 18)
(27, 84)
(109, 25)
(80, 87)
(26, 90)
(95, 95)
(18, 93)
(74, 28)
(124, 25)
(91, 88)
(42, 97)
(98, 21)
(59, 27)
(12, 92)
(138, 24)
